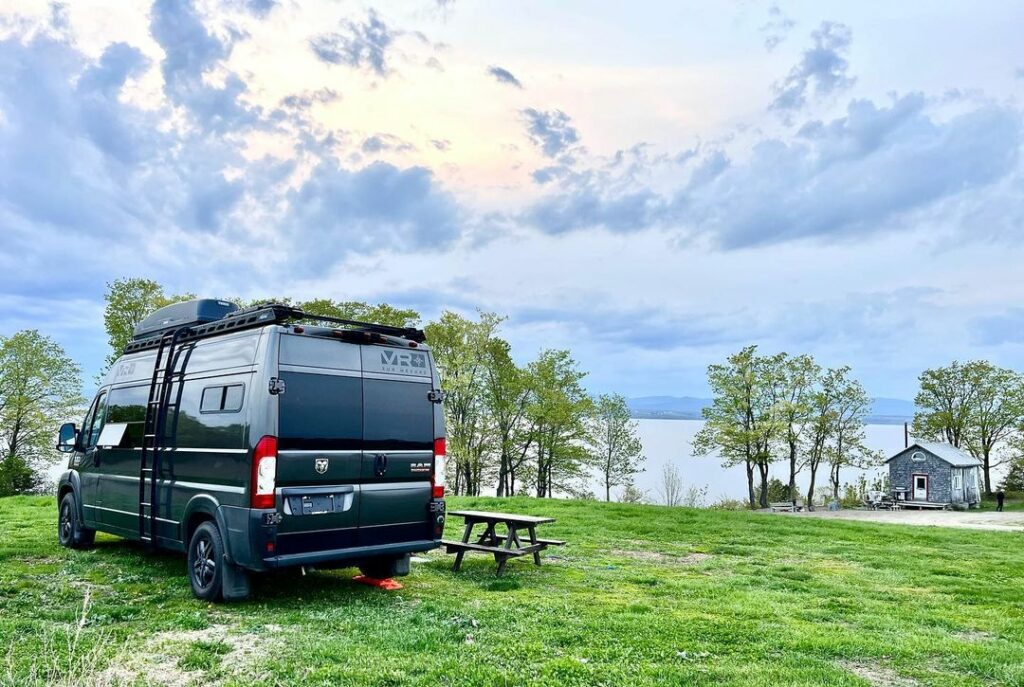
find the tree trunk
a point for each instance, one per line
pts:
(750, 484)
(986, 466)
(810, 489)
(792, 470)
(763, 470)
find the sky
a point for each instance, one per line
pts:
(653, 185)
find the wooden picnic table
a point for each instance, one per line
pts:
(502, 546)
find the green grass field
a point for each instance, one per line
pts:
(643, 595)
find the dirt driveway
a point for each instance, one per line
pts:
(978, 520)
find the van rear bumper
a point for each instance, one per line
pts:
(353, 554)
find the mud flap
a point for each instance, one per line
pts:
(235, 582)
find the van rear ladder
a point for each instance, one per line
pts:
(155, 434)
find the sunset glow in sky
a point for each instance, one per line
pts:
(651, 184)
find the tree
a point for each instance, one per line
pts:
(558, 414)
(826, 402)
(798, 377)
(382, 313)
(975, 406)
(129, 301)
(846, 446)
(40, 387)
(459, 346)
(671, 489)
(508, 393)
(618, 453)
(1014, 480)
(743, 421)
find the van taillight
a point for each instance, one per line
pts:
(264, 472)
(440, 446)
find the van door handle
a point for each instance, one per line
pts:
(380, 464)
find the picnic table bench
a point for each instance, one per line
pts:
(513, 543)
(785, 507)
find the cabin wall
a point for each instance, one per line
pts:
(940, 476)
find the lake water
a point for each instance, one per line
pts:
(670, 441)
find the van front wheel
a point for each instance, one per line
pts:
(206, 562)
(70, 532)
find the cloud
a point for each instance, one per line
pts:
(442, 144)
(550, 130)
(379, 143)
(997, 330)
(776, 28)
(338, 211)
(504, 76)
(361, 45)
(824, 66)
(866, 172)
(306, 99)
(190, 51)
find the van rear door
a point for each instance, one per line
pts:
(398, 442)
(320, 435)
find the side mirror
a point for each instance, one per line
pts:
(66, 437)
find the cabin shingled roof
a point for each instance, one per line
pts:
(947, 452)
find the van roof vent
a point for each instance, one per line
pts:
(185, 314)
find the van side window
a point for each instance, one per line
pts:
(94, 422)
(222, 399)
(128, 405)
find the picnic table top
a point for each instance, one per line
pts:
(500, 517)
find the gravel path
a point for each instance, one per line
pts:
(978, 520)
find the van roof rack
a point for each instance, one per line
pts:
(264, 314)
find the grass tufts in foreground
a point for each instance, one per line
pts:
(642, 595)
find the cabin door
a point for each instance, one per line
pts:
(920, 487)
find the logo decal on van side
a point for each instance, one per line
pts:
(404, 362)
(320, 465)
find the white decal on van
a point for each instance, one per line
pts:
(404, 362)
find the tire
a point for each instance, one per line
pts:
(379, 568)
(70, 531)
(206, 562)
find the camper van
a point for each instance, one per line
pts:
(261, 438)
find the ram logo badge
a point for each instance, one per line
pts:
(320, 465)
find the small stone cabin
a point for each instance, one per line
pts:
(935, 473)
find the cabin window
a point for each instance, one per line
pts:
(957, 481)
(222, 399)
(917, 457)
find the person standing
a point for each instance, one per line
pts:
(1000, 497)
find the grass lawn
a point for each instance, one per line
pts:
(643, 595)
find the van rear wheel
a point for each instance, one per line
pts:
(206, 562)
(70, 531)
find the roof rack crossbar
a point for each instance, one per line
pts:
(272, 313)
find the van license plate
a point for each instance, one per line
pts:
(316, 504)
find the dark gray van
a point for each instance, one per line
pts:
(253, 440)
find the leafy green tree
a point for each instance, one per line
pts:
(1014, 480)
(826, 404)
(129, 301)
(975, 406)
(798, 378)
(846, 445)
(508, 393)
(742, 422)
(382, 313)
(40, 387)
(559, 413)
(617, 450)
(459, 346)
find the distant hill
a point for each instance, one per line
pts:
(884, 411)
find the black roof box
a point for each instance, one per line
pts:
(188, 313)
